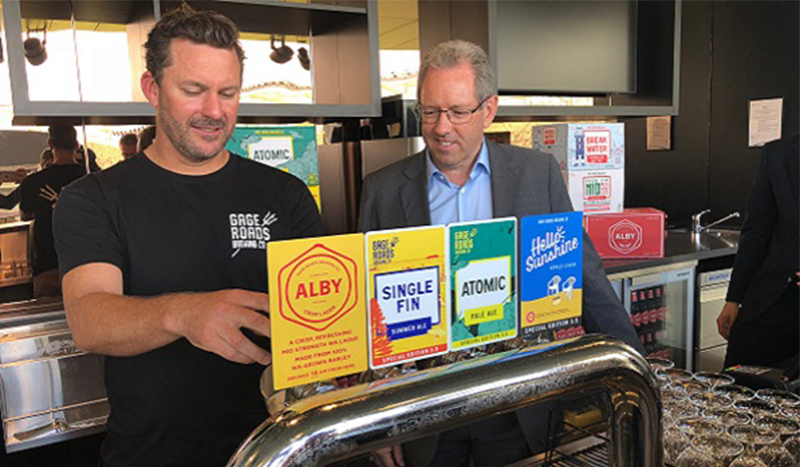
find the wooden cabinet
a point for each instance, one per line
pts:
(623, 55)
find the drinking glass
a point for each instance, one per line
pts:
(710, 399)
(774, 454)
(675, 441)
(678, 411)
(778, 397)
(792, 444)
(660, 363)
(748, 459)
(737, 392)
(697, 456)
(756, 407)
(780, 426)
(674, 393)
(750, 435)
(714, 379)
(792, 413)
(678, 375)
(727, 416)
(698, 426)
(724, 448)
(693, 387)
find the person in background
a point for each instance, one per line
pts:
(127, 145)
(39, 194)
(12, 199)
(146, 137)
(79, 158)
(761, 315)
(46, 158)
(462, 177)
(170, 282)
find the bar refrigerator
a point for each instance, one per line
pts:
(660, 303)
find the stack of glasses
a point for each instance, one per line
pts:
(708, 421)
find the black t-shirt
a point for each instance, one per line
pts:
(39, 193)
(179, 405)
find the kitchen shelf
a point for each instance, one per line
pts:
(343, 37)
(656, 56)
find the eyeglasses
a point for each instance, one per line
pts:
(456, 116)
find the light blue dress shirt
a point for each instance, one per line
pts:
(452, 203)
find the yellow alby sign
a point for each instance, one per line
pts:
(317, 308)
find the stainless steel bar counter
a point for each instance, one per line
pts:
(333, 425)
(50, 391)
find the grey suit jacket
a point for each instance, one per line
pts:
(524, 182)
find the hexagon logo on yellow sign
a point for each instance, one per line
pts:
(318, 288)
(318, 311)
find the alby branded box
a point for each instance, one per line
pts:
(633, 233)
(592, 160)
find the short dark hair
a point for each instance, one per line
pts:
(146, 137)
(200, 27)
(46, 157)
(128, 139)
(63, 137)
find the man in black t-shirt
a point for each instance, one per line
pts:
(164, 263)
(38, 196)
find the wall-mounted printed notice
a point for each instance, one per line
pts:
(766, 116)
(659, 133)
(483, 289)
(318, 308)
(551, 275)
(406, 294)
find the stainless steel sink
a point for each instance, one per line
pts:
(710, 238)
(714, 231)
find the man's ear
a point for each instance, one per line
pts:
(491, 111)
(150, 88)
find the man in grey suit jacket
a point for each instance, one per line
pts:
(449, 182)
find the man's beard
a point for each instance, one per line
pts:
(178, 134)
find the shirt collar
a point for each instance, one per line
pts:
(482, 164)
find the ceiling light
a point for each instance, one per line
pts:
(35, 50)
(280, 54)
(305, 60)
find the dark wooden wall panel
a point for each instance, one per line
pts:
(676, 180)
(731, 52)
(755, 56)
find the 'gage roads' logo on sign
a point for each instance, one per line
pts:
(319, 288)
(625, 236)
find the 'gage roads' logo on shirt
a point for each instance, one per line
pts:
(250, 230)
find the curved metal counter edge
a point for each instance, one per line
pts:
(335, 425)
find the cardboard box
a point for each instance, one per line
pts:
(633, 233)
(596, 191)
(592, 160)
(583, 146)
